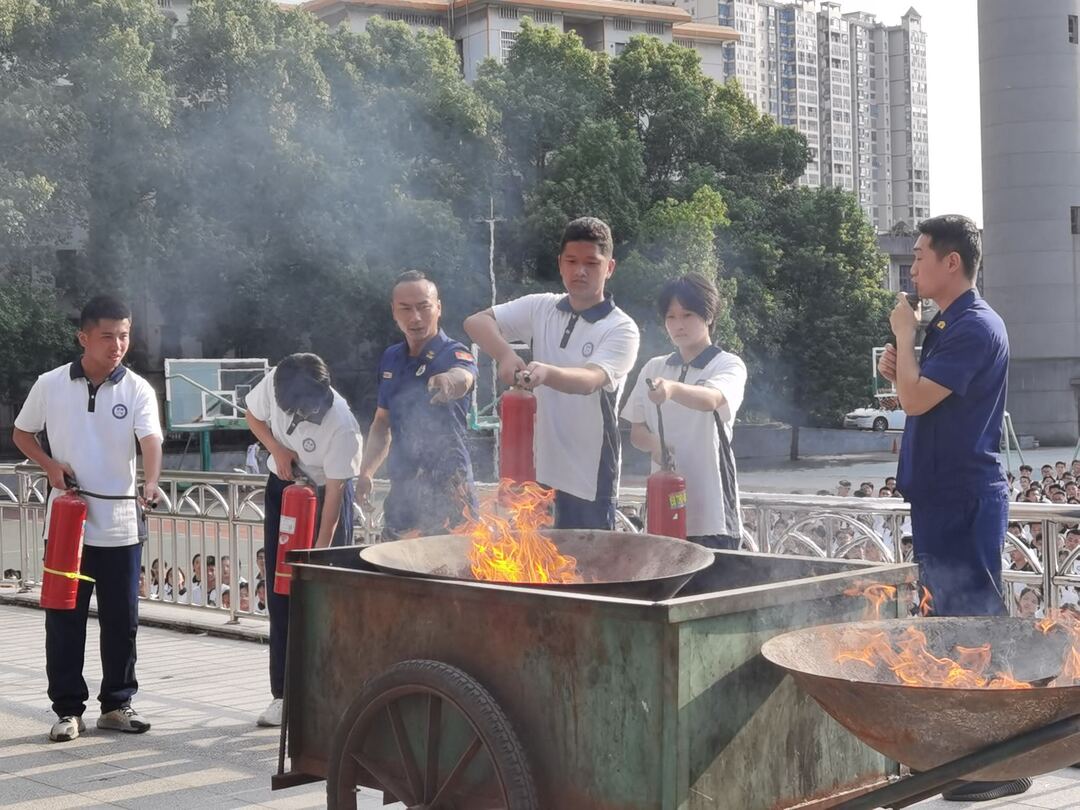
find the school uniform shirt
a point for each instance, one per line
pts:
(94, 429)
(952, 450)
(426, 439)
(578, 449)
(699, 440)
(328, 444)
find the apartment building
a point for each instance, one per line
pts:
(485, 29)
(855, 87)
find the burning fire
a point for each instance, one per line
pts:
(913, 664)
(512, 548)
(907, 655)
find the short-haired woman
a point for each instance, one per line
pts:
(699, 388)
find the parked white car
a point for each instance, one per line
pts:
(875, 419)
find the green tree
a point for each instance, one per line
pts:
(34, 336)
(828, 282)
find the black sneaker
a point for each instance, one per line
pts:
(987, 791)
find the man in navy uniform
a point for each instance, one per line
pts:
(421, 423)
(950, 468)
(93, 411)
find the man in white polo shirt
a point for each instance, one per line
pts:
(302, 421)
(92, 411)
(583, 347)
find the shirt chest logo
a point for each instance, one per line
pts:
(587, 350)
(421, 369)
(309, 445)
(119, 411)
(388, 375)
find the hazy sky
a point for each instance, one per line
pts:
(953, 88)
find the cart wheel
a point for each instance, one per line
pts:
(432, 737)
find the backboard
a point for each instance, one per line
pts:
(209, 393)
(884, 389)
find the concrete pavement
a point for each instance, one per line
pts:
(200, 693)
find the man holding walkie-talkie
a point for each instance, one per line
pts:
(950, 466)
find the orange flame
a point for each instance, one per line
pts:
(512, 549)
(876, 595)
(910, 660)
(907, 656)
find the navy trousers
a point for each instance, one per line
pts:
(718, 541)
(958, 546)
(116, 575)
(277, 606)
(576, 513)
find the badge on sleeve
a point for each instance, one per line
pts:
(466, 356)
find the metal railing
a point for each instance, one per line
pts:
(220, 515)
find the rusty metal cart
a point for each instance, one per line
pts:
(448, 694)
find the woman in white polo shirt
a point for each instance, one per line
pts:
(699, 389)
(301, 420)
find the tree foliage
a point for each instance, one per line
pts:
(260, 178)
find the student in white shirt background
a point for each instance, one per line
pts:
(583, 347)
(699, 388)
(92, 411)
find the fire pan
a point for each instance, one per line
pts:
(628, 565)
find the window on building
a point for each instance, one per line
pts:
(654, 28)
(508, 13)
(906, 284)
(1075, 214)
(1074, 29)
(506, 44)
(542, 16)
(623, 24)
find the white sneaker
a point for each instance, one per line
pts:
(66, 729)
(271, 715)
(123, 719)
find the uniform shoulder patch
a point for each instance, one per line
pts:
(466, 356)
(388, 375)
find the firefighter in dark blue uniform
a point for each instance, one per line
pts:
(950, 468)
(421, 420)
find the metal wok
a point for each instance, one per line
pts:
(925, 727)
(622, 564)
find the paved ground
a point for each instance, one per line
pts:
(201, 693)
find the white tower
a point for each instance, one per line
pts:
(1029, 64)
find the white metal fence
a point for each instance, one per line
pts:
(219, 516)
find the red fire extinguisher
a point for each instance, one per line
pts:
(517, 415)
(63, 553)
(296, 531)
(665, 491)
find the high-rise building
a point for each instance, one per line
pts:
(853, 86)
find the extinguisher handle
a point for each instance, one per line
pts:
(665, 455)
(522, 377)
(70, 482)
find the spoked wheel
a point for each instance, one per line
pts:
(434, 739)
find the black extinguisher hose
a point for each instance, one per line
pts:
(665, 454)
